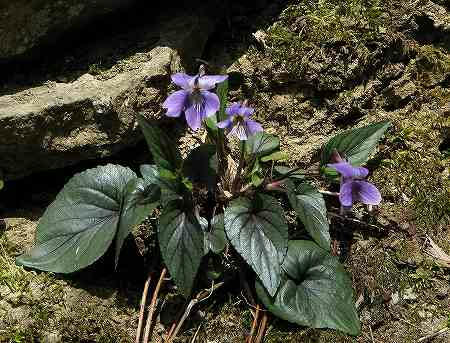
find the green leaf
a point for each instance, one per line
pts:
(215, 239)
(2, 183)
(214, 267)
(181, 242)
(315, 290)
(261, 144)
(258, 231)
(171, 185)
(211, 127)
(275, 156)
(149, 172)
(222, 92)
(330, 173)
(141, 198)
(80, 224)
(356, 144)
(290, 172)
(310, 207)
(201, 165)
(163, 149)
(257, 176)
(257, 179)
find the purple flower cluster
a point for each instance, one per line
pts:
(239, 123)
(197, 103)
(194, 99)
(353, 187)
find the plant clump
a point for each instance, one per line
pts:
(226, 211)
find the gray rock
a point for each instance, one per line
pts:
(25, 24)
(59, 124)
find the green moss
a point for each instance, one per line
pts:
(90, 321)
(35, 305)
(35, 298)
(306, 31)
(414, 175)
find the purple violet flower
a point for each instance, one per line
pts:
(239, 123)
(353, 187)
(194, 99)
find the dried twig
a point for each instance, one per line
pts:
(203, 295)
(435, 251)
(262, 328)
(177, 318)
(433, 335)
(142, 309)
(153, 305)
(371, 334)
(196, 334)
(255, 322)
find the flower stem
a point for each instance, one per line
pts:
(237, 178)
(336, 194)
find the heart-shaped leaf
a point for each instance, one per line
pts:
(261, 144)
(141, 198)
(258, 231)
(181, 242)
(356, 144)
(201, 165)
(310, 207)
(315, 290)
(163, 149)
(215, 238)
(79, 226)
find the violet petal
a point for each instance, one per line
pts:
(211, 103)
(224, 123)
(246, 111)
(233, 109)
(182, 80)
(348, 171)
(253, 127)
(346, 194)
(193, 118)
(240, 131)
(208, 82)
(366, 193)
(175, 103)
